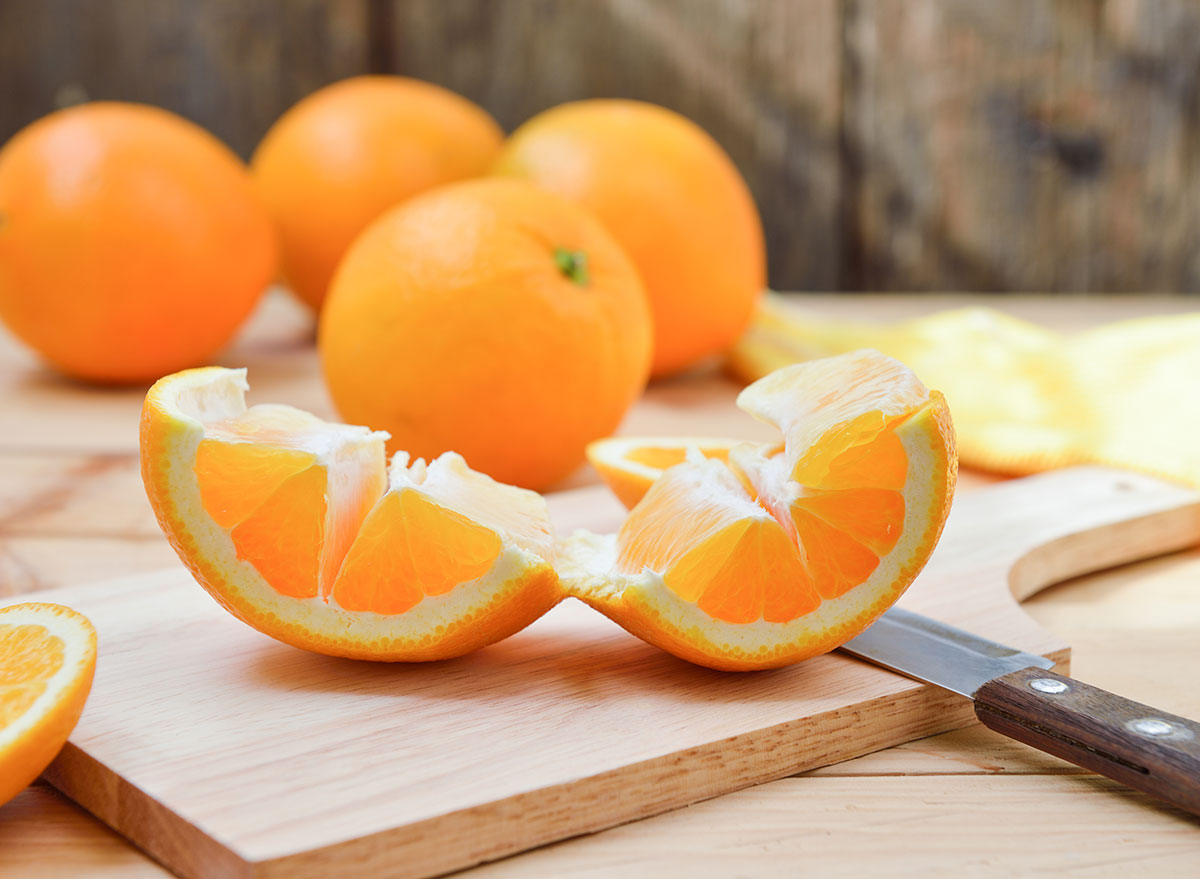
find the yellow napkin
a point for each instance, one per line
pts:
(1025, 398)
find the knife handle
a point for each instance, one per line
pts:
(1134, 744)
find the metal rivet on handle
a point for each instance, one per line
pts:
(1048, 685)
(1151, 726)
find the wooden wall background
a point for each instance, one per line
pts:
(1043, 145)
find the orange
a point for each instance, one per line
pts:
(348, 152)
(672, 198)
(492, 319)
(779, 553)
(296, 527)
(47, 659)
(131, 242)
(630, 465)
(784, 552)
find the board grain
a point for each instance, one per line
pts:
(223, 753)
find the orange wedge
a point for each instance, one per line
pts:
(735, 555)
(297, 527)
(630, 465)
(47, 659)
(783, 553)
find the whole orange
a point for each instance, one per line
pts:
(132, 243)
(490, 318)
(348, 152)
(672, 197)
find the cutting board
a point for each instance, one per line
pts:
(223, 753)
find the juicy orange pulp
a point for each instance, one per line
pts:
(262, 477)
(298, 527)
(29, 657)
(47, 659)
(744, 554)
(334, 529)
(756, 555)
(772, 553)
(661, 459)
(438, 527)
(717, 547)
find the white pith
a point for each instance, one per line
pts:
(76, 652)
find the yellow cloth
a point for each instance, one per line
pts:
(1025, 398)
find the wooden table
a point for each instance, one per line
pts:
(72, 511)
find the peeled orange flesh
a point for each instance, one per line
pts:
(297, 527)
(734, 555)
(47, 660)
(784, 551)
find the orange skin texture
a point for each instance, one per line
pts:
(34, 751)
(132, 243)
(346, 153)
(673, 199)
(451, 326)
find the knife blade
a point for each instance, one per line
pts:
(1016, 694)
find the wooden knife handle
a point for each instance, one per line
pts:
(1135, 744)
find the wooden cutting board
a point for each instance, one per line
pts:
(223, 753)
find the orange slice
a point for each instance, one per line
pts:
(630, 465)
(781, 554)
(47, 659)
(296, 526)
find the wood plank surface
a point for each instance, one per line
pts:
(253, 758)
(231, 65)
(1024, 145)
(1130, 627)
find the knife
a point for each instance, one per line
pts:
(1017, 695)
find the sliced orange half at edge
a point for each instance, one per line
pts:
(781, 554)
(296, 526)
(629, 465)
(47, 660)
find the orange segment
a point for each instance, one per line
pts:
(47, 658)
(878, 461)
(283, 537)
(836, 561)
(518, 512)
(411, 547)
(713, 545)
(756, 574)
(237, 477)
(872, 517)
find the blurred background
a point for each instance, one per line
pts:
(1029, 145)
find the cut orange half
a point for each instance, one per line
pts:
(47, 659)
(783, 553)
(630, 465)
(297, 527)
